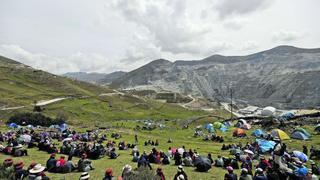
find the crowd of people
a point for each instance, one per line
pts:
(277, 163)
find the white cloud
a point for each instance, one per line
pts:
(249, 45)
(285, 35)
(227, 8)
(58, 65)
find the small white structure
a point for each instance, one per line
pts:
(268, 111)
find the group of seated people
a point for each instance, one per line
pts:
(62, 165)
(152, 143)
(213, 137)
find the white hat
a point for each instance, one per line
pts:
(36, 169)
(18, 146)
(181, 177)
(180, 168)
(84, 176)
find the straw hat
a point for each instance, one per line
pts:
(84, 176)
(36, 169)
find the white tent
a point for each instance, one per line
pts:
(268, 111)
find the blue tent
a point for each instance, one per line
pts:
(211, 130)
(227, 123)
(302, 157)
(258, 133)
(223, 128)
(287, 115)
(265, 145)
(208, 126)
(12, 125)
(299, 135)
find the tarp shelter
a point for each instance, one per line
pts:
(265, 145)
(258, 133)
(268, 111)
(25, 138)
(280, 134)
(12, 125)
(202, 164)
(317, 128)
(302, 157)
(239, 132)
(305, 132)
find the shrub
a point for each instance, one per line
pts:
(34, 119)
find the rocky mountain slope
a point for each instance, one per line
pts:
(97, 78)
(284, 77)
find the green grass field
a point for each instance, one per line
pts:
(180, 137)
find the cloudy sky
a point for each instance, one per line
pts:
(107, 35)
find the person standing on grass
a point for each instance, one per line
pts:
(181, 174)
(136, 138)
(159, 174)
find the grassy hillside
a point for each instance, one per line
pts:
(21, 85)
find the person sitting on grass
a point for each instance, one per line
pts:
(60, 164)
(51, 163)
(126, 171)
(219, 161)
(84, 164)
(69, 166)
(181, 174)
(260, 175)
(113, 154)
(37, 172)
(230, 175)
(244, 175)
(108, 175)
(19, 172)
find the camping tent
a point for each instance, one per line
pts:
(246, 126)
(239, 132)
(202, 164)
(280, 134)
(287, 115)
(265, 145)
(317, 128)
(258, 133)
(217, 125)
(208, 126)
(13, 125)
(223, 128)
(299, 135)
(268, 111)
(227, 123)
(211, 130)
(305, 132)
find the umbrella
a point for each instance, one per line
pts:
(248, 151)
(202, 164)
(301, 156)
(181, 151)
(26, 138)
(67, 139)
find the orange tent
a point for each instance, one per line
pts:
(239, 132)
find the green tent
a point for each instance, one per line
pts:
(305, 132)
(217, 125)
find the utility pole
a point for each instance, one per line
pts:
(231, 105)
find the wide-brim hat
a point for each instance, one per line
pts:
(109, 171)
(84, 176)
(8, 161)
(18, 146)
(37, 169)
(19, 165)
